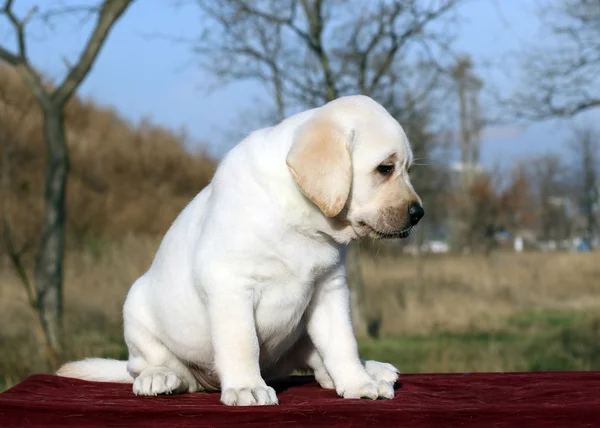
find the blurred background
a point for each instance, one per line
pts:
(115, 113)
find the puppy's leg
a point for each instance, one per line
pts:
(330, 329)
(304, 356)
(381, 372)
(154, 368)
(236, 348)
(315, 362)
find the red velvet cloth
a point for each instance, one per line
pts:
(442, 400)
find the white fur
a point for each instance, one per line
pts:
(249, 282)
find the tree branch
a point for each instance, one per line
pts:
(11, 250)
(109, 13)
(9, 57)
(316, 25)
(19, 25)
(68, 10)
(551, 110)
(399, 40)
(364, 54)
(560, 80)
(15, 257)
(19, 60)
(288, 22)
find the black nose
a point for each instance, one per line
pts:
(415, 213)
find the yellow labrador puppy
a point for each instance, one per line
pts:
(249, 283)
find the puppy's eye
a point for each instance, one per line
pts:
(385, 169)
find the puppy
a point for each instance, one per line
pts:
(249, 282)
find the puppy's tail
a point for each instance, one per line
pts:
(97, 370)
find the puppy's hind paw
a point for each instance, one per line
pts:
(158, 380)
(324, 380)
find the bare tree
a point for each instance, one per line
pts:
(308, 52)
(471, 189)
(561, 78)
(51, 100)
(468, 87)
(516, 202)
(585, 145)
(549, 182)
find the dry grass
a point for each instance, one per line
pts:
(457, 293)
(421, 300)
(96, 283)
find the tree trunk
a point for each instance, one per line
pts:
(590, 193)
(278, 87)
(49, 266)
(357, 290)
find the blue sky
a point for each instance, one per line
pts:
(144, 76)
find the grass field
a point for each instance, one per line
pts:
(505, 312)
(528, 341)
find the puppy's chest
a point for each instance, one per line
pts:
(284, 296)
(288, 292)
(279, 312)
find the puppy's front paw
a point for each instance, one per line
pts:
(366, 387)
(157, 380)
(381, 372)
(257, 396)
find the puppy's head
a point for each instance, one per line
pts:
(352, 160)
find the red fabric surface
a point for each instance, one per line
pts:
(446, 400)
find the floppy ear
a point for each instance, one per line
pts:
(321, 164)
